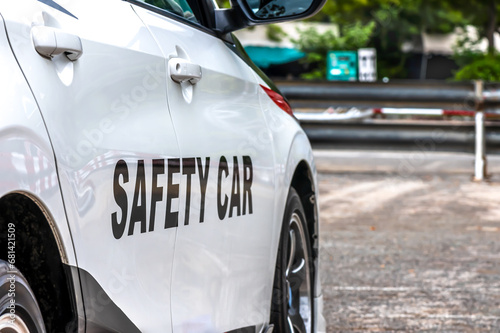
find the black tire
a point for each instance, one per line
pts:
(292, 302)
(26, 315)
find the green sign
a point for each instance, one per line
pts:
(342, 66)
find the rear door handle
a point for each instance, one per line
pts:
(182, 70)
(50, 42)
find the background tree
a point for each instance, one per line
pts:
(396, 22)
(474, 64)
(316, 45)
(387, 24)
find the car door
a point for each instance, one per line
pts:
(103, 99)
(224, 262)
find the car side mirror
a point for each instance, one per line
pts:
(245, 13)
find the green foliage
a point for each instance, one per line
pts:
(394, 22)
(474, 64)
(400, 21)
(316, 44)
(465, 51)
(275, 33)
(439, 16)
(485, 68)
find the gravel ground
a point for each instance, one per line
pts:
(413, 254)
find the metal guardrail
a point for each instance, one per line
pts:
(469, 96)
(433, 94)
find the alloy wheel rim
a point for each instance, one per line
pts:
(298, 281)
(9, 325)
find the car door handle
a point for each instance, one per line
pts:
(182, 70)
(50, 42)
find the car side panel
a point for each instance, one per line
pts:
(107, 116)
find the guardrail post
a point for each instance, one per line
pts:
(480, 159)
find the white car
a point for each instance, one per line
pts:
(152, 179)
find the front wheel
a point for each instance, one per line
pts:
(292, 302)
(19, 311)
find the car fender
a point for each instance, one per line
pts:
(291, 149)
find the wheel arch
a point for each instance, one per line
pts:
(39, 254)
(303, 183)
(301, 174)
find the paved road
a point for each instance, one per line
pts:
(408, 251)
(400, 163)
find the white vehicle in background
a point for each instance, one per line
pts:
(151, 178)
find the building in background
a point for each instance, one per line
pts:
(431, 58)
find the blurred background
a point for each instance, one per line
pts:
(411, 39)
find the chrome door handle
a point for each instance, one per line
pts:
(50, 42)
(182, 70)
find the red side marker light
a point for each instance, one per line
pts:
(279, 100)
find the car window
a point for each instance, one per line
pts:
(178, 7)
